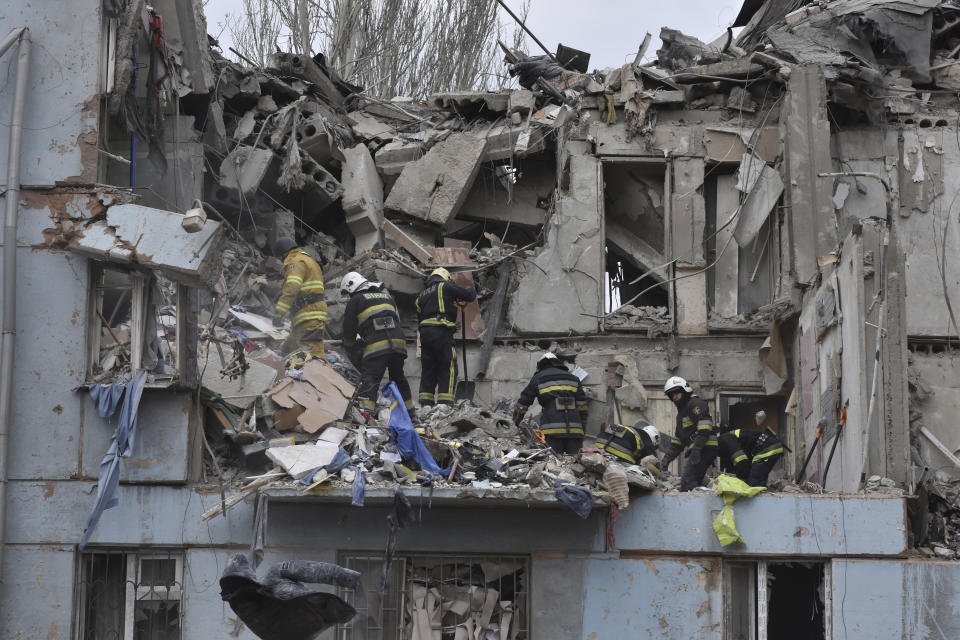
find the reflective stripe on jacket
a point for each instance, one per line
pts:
(437, 303)
(367, 309)
(695, 428)
(561, 395)
(626, 442)
(302, 292)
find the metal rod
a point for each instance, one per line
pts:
(12, 37)
(9, 313)
(524, 27)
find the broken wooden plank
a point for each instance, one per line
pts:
(420, 254)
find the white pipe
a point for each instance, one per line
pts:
(9, 312)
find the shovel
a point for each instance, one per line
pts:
(465, 388)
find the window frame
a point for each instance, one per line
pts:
(141, 281)
(133, 591)
(404, 561)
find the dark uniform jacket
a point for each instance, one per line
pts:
(630, 444)
(373, 315)
(437, 303)
(302, 293)
(741, 448)
(561, 396)
(694, 430)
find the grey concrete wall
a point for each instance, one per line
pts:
(877, 599)
(921, 213)
(60, 139)
(653, 597)
(941, 371)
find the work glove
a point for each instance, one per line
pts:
(694, 457)
(278, 321)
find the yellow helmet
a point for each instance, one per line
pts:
(440, 271)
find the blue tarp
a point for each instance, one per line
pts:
(121, 446)
(403, 434)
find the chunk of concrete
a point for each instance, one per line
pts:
(245, 167)
(362, 197)
(396, 278)
(316, 139)
(300, 459)
(395, 155)
(368, 127)
(434, 187)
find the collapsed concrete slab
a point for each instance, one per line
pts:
(559, 289)
(362, 197)
(153, 238)
(434, 187)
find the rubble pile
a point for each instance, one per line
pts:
(472, 180)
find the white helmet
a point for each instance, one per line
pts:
(351, 283)
(654, 434)
(548, 358)
(674, 383)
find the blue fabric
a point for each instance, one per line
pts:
(339, 461)
(107, 397)
(577, 498)
(359, 487)
(121, 446)
(405, 436)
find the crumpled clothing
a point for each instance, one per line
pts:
(359, 487)
(400, 516)
(579, 499)
(403, 434)
(341, 460)
(121, 446)
(281, 606)
(107, 397)
(725, 525)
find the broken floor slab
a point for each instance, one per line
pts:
(153, 238)
(434, 187)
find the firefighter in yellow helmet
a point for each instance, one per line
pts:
(302, 298)
(437, 316)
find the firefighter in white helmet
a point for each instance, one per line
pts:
(374, 339)
(695, 434)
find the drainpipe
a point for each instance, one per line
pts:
(9, 312)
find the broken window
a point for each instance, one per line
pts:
(130, 596)
(633, 209)
(764, 600)
(132, 324)
(439, 596)
(743, 278)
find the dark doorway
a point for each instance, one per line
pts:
(795, 610)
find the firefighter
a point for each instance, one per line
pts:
(694, 433)
(630, 444)
(437, 316)
(750, 453)
(564, 404)
(373, 339)
(302, 298)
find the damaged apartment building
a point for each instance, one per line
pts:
(772, 216)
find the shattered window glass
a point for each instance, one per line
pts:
(459, 596)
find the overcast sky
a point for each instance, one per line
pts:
(610, 30)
